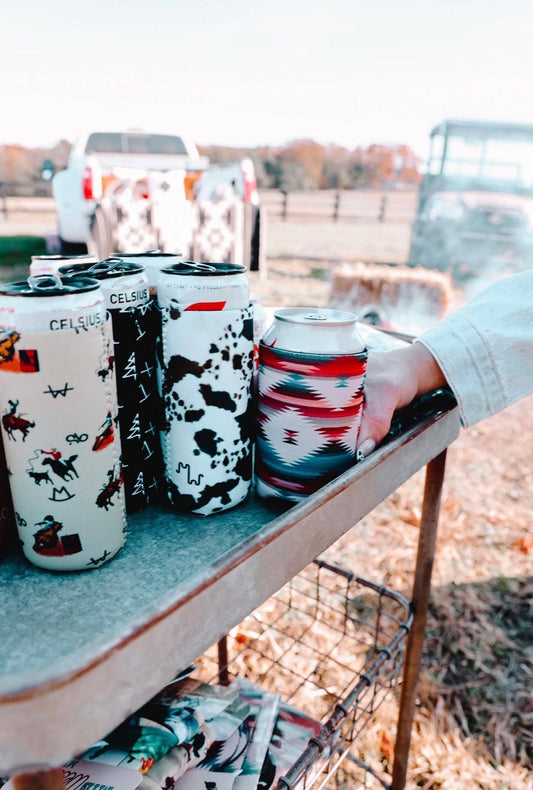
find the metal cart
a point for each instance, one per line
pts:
(82, 651)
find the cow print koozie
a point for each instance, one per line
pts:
(136, 331)
(59, 422)
(206, 383)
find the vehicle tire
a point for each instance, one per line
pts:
(255, 240)
(100, 234)
(72, 247)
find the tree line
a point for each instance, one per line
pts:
(20, 167)
(298, 165)
(306, 164)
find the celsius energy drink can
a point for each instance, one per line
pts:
(49, 264)
(59, 413)
(311, 376)
(136, 330)
(205, 286)
(206, 379)
(153, 261)
(123, 284)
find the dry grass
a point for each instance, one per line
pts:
(475, 711)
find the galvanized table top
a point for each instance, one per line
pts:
(80, 651)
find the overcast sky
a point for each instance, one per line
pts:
(244, 73)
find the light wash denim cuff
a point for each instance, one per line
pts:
(466, 359)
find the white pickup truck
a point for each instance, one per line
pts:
(99, 157)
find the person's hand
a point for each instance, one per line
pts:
(393, 380)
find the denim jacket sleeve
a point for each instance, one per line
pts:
(485, 349)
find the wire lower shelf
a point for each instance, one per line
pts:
(329, 643)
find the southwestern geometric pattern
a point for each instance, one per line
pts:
(309, 413)
(218, 230)
(132, 228)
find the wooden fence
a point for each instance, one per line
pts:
(10, 205)
(340, 206)
(318, 205)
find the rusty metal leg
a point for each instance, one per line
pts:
(420, 602)
(52, 779)
(223, 674)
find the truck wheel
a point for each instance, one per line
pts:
(100, 234)
(255, 241)
(72, 247)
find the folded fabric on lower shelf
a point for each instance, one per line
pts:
(195, 735)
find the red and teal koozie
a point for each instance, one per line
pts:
(309, 412)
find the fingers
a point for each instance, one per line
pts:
(388, 385)
(375, 423)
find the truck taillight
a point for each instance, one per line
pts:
(87, 184)
(250, 183)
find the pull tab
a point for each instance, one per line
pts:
(199, 267)
(45, 282)
(205, 267)
(108, 265)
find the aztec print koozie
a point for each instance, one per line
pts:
(309, 412)
(206, 386)
(136, 331)
(59, 412)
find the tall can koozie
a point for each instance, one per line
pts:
(206, 380)
(312, 365)
(59, 413)
(136, 325)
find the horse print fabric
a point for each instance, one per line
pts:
(309, 412)
(59, 424)
(206, 379)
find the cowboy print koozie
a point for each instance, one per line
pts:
(59, 412)
(136, 331)
(309, 412)
(206, 383)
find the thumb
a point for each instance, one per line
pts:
(365, 440)
(374, 427)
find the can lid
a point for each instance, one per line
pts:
(109, 267)
(315, 316)
(150, 254)
(49, 285)
(195, 269)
